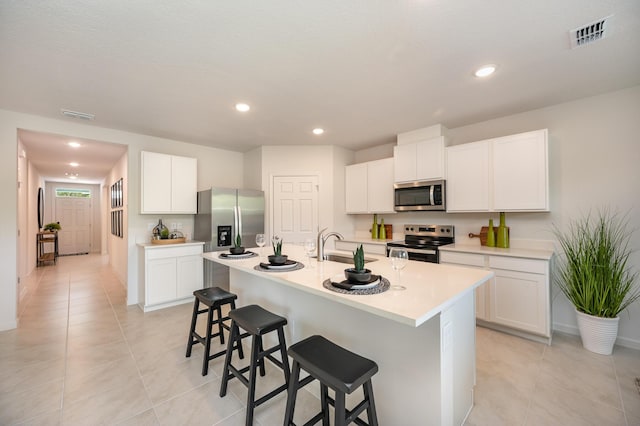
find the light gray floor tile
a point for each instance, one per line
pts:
(81, 356)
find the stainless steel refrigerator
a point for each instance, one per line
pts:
(222, 214)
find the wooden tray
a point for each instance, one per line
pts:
(483, 234)
(169, 241)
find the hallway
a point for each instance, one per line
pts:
(80, 356)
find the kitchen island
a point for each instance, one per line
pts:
(423, 338)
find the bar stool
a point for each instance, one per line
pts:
(336, 368)
(257, 322)
(214, 298)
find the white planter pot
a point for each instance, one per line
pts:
(598, 334)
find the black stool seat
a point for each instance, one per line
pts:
(214, 298)
(337, 368)
(256, 321)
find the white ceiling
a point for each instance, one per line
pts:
(363, 70)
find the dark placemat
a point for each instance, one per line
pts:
(246, 255)
(299, 265)
(380, 288)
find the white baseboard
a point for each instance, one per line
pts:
(621, 341)
(10, 325)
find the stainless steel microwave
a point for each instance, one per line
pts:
(420, 195)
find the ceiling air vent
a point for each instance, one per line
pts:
(591, 32)
(76, 114)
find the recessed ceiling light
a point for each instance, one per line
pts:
(485, 71)
(243, 107)
(74, 164)
(74, 144)
(318, 131)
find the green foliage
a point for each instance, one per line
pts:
(238, 242)
(53, 226)
(593, 271)
(358, 259)
(164, 233)
(277, 247)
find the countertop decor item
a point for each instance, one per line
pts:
(491, 235)
(168, 241)
(502, 239)
(237, 246)
(158, 231)
(594, 274)
(358, 274)
(484, 231)
(383, 230)
(277, 258)
(374, 227)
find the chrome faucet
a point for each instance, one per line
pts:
(322, 239)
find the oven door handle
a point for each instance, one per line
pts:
(417, 251)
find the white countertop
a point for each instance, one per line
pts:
(430, 287)
(537, 253)
(161, 246)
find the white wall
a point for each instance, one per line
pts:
(594, 150)
(117, 246)
(216, 167)
(325, 161)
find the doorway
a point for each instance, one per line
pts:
(73, 210)
(295, 207)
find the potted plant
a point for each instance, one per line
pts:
(358, 273)
(277, 258)
(594, 275)
(53, 226)
(237, 247)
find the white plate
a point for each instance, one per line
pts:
(341, 278)
(238, 256)
(281, 266)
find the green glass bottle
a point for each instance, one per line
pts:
(491, 235)
(374, 228)
(503, 233)
(383, 232)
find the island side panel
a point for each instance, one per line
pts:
(408, 386)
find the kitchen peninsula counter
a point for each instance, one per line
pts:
(423, 338)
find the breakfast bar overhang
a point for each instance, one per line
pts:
(422, 338)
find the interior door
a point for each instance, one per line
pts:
(295, 208)
(74, 215)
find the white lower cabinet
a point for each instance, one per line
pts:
(517, 298)
(169, 274)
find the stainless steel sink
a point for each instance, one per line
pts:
(345, 258)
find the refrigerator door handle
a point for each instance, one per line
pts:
(235, 224)
(239, 216)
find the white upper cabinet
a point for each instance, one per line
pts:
(468, 177)
(369, 187)
(520, 172)
(422, 160)
(504, 174)
(169, 183)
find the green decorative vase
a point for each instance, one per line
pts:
(491, 235)
(503, 233)
(383, 232)
(374, 228)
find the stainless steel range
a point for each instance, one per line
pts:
(422, 241)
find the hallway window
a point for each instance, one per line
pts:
(76, 193)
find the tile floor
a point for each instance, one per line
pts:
(82, 357)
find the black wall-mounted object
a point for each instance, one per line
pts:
(40, 207)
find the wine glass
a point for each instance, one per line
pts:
(309, 248)
(260, 241)
(399, 258)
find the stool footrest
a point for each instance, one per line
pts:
(271, 394)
